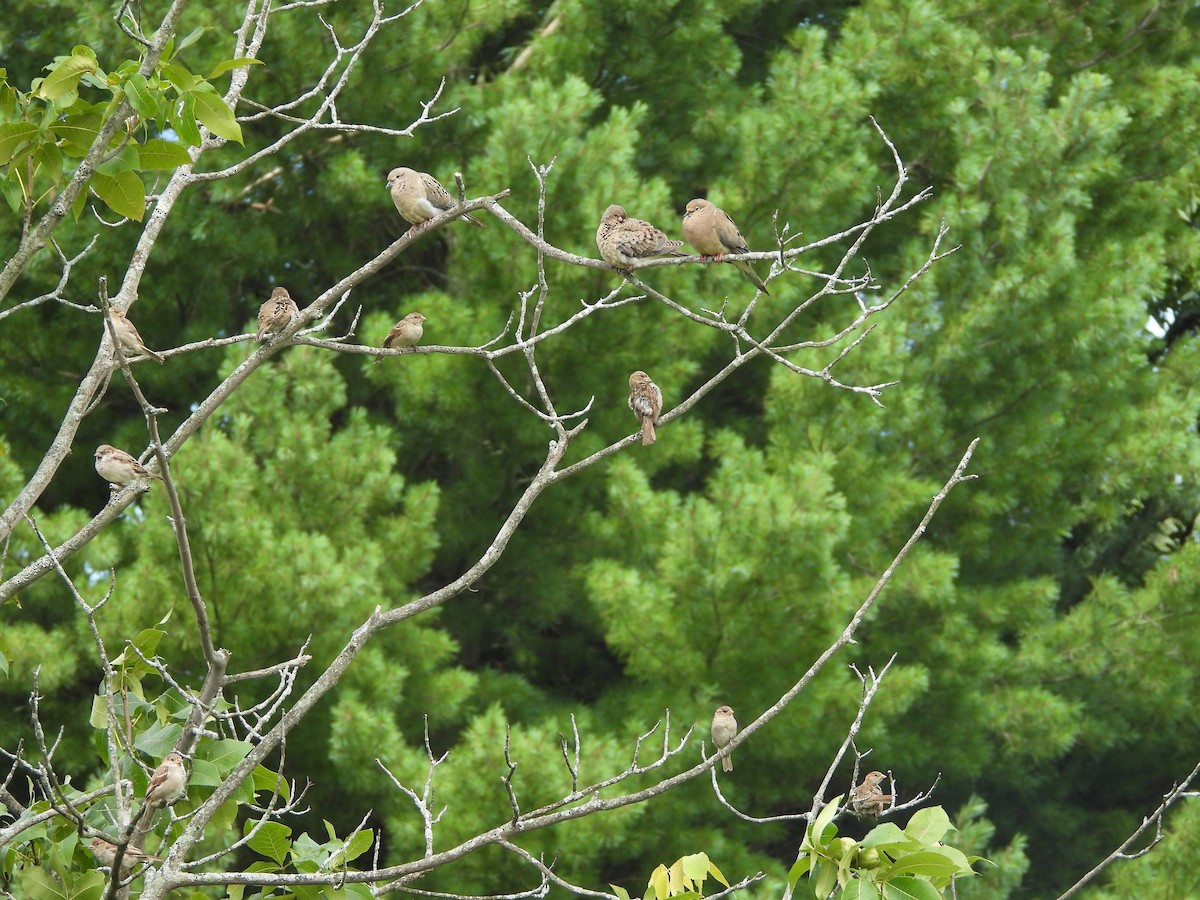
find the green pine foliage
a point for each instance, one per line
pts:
(1044, 628)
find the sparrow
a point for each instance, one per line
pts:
(645, 399)
(404, 334)
(713, 234)
(869, 795)
(276, 314)
(622, 240)
(419, 197)
(127, 336)
(169, 781)
(724, 727)
(118, 467)
(105, 852)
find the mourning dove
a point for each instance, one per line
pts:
(127, 336)
(724, 727)
(645, 399)
(623, 241)
(419, 197)
(106, 854)
(276, 314)
(713, 234)
(118, 467)
(404, 334)
(869, 795)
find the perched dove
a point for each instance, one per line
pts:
(869, 795)
(119, 468)
(623, 241)
(724, 727)
(127, 336)
(405, 333)
(645, 399)
(106, 854)
(419, 197)
(713, 234)
(276, 314)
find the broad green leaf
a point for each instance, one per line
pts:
(620, 892)
(695, 866)
(928, 825)
(228, 65)
(214, 114)
(353, 889)
(859, 889)
(65, 76)
(124, 160)
(178, 76)
(183, 120)
(801, 866)
(358, 845)
(4, 656)
(271, 840)
(78, 133)
(14, 194)
(158, 740)
(266, 780)
(659, 883)
(12, 136)
(123, 193)
(824, 818)
(225, 754)
(925, 862)
(823, 879)
(887, 834)
(908, 888)
(49, 159)
(140, 97)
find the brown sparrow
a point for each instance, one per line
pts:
(106, 852)
(118, 467)
(169, 781)
(724, 727)
(276, 314)
(645, 399)
(127, 336)
(404, 334)
(869, 795)
(419, 197)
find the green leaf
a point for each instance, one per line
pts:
(620, 891)
(14, 194)
(214, 114)
(229, 64)
(65, 76)
(824, 818)
(50, 160)
(123, 193)
(824, 878)
(78, 132)
(358, 845)
(860, 889)
(140, 97)
(717, 873)
(801, 866)
(191, 39)
(928, 863)
(908, 888)
(12, 136)
(157, 740)
(887, 835)
(183, 80)
(184, 120)
(124, 160)
(695, 866)
(659, 883)
(224, 755)
(4, 656)
(266, 780)
(928, 826)
(271, 840)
